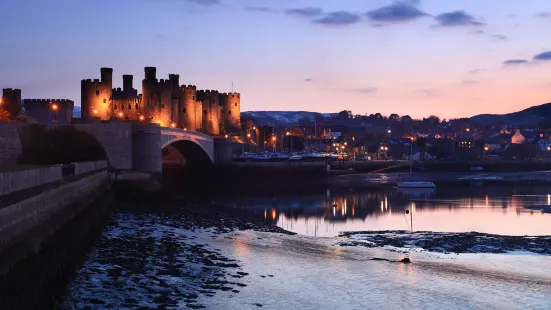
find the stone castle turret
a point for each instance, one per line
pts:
(96, 95)
(11, 101)
(211, 110)
(230, 112)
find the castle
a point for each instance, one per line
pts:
(163, 101)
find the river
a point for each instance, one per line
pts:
(148, 259)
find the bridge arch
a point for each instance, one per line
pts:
(187, 148)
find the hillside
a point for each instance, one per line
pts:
(531, 116)
(283, 118)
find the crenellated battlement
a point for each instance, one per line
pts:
(207, 93)
(47, 101)
(188, 87)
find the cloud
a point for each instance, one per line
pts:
(468, 82)
(306, 12)
(259, 9)
(543, 56)
(457, 19)
(339, 18)
(308, 80)
(475, 71)
(499, 37)
(515, 62)
(544, 15)
(205, 2)
(430, 93)
(366, 90)
(398, 12)
(476, 32)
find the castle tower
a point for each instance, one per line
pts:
(96, 96)
(190, 113)
(211, 110)
(230, 112)
(150, 98)
(11, 101)
(125, 102)
(175, 99)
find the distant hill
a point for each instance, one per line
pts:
(283, 118)
(77, 111)
(531, 116)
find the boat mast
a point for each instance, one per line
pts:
(411, 160)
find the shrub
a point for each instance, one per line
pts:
(62, 145)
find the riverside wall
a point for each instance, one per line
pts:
(27, 224)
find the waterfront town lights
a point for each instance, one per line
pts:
(120, 114)
(226, 136)
(486, 148)
(248, 135)
(172, 125)
(95, 111)
(54, 107)
(273, 138)
(142, 117)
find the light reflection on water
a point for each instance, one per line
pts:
(498, 209)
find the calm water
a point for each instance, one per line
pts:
(506, 209)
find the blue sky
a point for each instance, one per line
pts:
(450, 58)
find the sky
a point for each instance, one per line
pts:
(451, 58)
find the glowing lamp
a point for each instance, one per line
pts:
(248, 135)
(226, 136)
(95, 111)
(54, 107)
(142, 117)
(172, 125)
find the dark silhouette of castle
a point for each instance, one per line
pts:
(162, 101)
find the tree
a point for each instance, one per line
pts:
(406, 118)
(4, 115)
(345, 114)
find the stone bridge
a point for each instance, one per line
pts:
(140, 147)
(134, 146)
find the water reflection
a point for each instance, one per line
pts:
(499, 209)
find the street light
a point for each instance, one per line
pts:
(121, 115)
(487, 148)
(142, 117)
(54, 109)
(95, 111)
(389, 131)
(172, 125)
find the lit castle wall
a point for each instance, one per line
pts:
(163, 101)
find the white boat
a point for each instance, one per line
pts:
(411, 183)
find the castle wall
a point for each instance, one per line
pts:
(41, 110)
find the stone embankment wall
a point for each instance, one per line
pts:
(10, 144)
(26, 224)
(14, 181)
